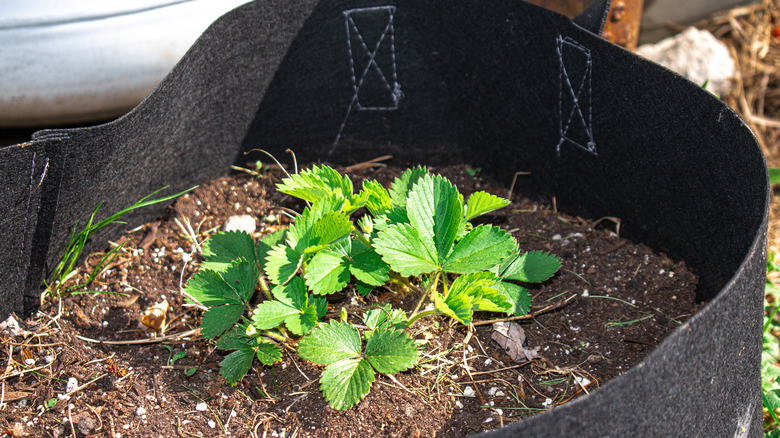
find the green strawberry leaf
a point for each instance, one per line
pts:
(234, 339)
(346, 382)
(390, 351)
(291, 306)
(456, 306)
(299, 233)
(316, 183)
(532, 267)
(208, 288)
(327, 272)
(401, 185)
(435, 209)
(518, 297)
(363, 289)
(242, 277)
(282, 263)
(320, 304)
(265, 244)
(304, 321)
(225, 294)
(292, 294)
(367, 266)
(378, 200)
(221, 249)
(328, 229)
(330, 342)
(480, 249)
(236, 364)
(218, 319)
(268, 353)
(402, 248)
(492, 300)
(378, 317)
(480, 203)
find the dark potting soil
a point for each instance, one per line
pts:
(609, 305)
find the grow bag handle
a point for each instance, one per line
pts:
(594, 17)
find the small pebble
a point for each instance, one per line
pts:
(140, 411)
(201, 407)
(71, 385)
(240, 222)
(469, 392)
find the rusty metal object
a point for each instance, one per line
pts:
(622, 27)
(569, 8)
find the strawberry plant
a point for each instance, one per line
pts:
(417, 237)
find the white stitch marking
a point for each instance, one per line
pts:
(394, 88)
(744, 422)
(587, 144)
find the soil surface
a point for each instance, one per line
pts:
(609, 305)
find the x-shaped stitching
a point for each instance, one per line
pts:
(575, 98)
(357, 82)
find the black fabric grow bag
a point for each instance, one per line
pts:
(500, 84)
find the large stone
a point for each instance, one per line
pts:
(697, 55)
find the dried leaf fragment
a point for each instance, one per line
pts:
(511, 337)
(154, 317)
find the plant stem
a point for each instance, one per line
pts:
(274, 336)
(265, 288)
(430, 290)
(362, 238)
(404, 281)
(422, 314)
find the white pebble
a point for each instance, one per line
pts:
(469, 392)
(140, 411)
(241, 222)
(582, 380)
(201, 407)
(547, 402)
(71, 385)
(212, 424)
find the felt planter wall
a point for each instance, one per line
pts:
(503, 85)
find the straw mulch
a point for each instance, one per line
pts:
(753, 35)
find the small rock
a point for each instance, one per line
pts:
(85, 422)
(697, 55)
(212, 424)
(71, 385)
(201, 407)
(240, 222)
(10, 327)
(469, 392)
(140, 411)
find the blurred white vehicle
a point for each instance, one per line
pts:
(64, 62)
